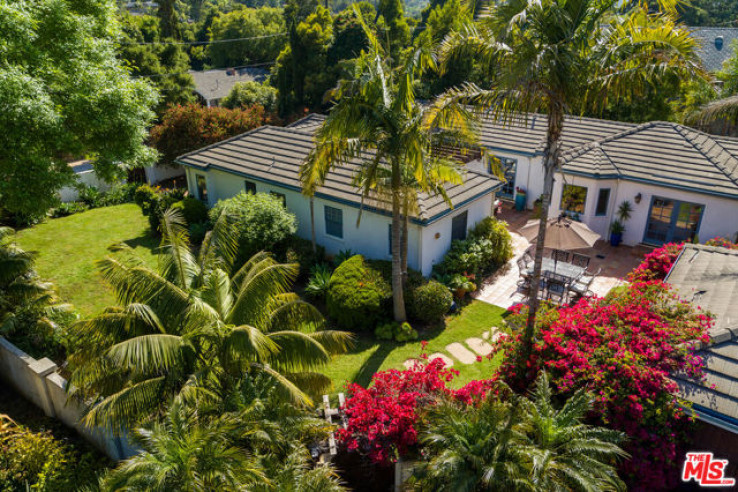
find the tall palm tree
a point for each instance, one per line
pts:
(183, 453)
(720, 109)
(378, 123)
(519, 444)
(561, 56)
(190, 328)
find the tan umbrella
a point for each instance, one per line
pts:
(561, 233)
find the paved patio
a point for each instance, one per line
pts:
(502, 289)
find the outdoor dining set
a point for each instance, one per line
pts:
(565, 275)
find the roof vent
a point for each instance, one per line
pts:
(719, 43)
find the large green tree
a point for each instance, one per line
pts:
(64, 93)
(193, 327)
(562, 56)
(264, 25)
(377, 113)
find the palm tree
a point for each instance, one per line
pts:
(725, 108)
(562, 56)
(183, 453)
(378, 122)
(519, 444)
(190, 328)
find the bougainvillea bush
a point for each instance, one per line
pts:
(722, 242)
(622, 348)
(384, 419)
(656, 264)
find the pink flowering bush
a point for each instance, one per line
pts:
(722, 242)
(622, 348)
(656, 264)
(383, 419)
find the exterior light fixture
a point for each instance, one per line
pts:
(638, 198)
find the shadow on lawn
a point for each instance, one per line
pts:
(373, 363)
(147, 240)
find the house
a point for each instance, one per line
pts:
(268, 159)
(708, 277)
(213, 85)
(682, 184)
(715, 45)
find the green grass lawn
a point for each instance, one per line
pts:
(370, 355)
(68, 247)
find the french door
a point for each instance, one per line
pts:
(672, 221)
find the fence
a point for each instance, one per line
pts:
(39, 382)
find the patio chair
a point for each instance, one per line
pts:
(559, 255)
(580, 260)
(556, 290)
(581, 285)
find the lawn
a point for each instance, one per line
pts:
(370, 355)
(68, 247)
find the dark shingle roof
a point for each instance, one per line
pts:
(216, 84)
(275, 154)
(708, 277)
(712, 57)
(664, 153)
(527, 135)
(309, 123)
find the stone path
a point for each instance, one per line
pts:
(466, 352)
(479, 346)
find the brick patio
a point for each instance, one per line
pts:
(502, 289)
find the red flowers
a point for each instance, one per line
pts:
(623, 349)
(656, 264)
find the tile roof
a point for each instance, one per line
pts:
(309, 123)
(708, 277)
(216, 84)
(275, 154)
(527, 135)
(712, 57)
(663, 153)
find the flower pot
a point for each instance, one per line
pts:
(520, 200)
(616, 238)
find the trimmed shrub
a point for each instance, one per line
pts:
(193, 210)
(405, 333)
(262, 221)
(358, 297)
(154, 201)
(428, 303)
(385, 331)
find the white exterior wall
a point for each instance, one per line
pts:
(370, 238)
(157, 173)
(528, 174)
(720, 216)
(89, 178)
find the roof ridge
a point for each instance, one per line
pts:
(689, 134)
(584, 148)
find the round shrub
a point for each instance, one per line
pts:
(261, 220)
(358, 297)
(405, 333)
(385, 331)
(428, 303)
(193, 210)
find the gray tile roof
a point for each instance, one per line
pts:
(309, 123)
(708, 277)
(275, 154)
(216, 84)
(712, 57)
(527, 135)
(663, 153)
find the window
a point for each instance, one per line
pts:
(334, 222)
(249, 187)
(281, 196)
(202, 187)
(573, 199)
(603, 198)
(458, 226)
(508, 167)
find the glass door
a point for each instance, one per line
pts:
(672, 221)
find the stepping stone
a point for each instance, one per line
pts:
(445, 358)
(410, 363)
(495, 336)
(479, 346)
(485, 335)
(462, 353)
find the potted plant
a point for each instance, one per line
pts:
(521, 198)
(617, 228)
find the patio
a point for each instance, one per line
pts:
(616, 262)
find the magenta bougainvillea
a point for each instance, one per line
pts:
(621, 348)
(656, 264)
(383, 419)
(722, 242)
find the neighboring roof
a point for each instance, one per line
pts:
(527, 135)
(708, 277)
(216, 84)
(81, 166)
(309, 123)
(274, 155)
(716, 45)
(661, 153)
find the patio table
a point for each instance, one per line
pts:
(560, 268)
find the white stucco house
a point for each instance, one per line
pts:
(682, 184)
(268, 160)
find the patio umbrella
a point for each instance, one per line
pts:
(561, 233)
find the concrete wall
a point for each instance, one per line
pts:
(89, 178)
(369, 238)
(157, 173)
(720, 216)
(38, 382)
